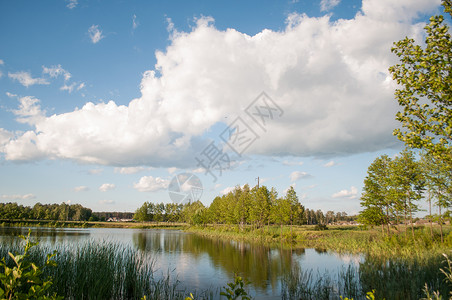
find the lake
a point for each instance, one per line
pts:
(200, 262)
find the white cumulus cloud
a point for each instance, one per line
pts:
(106, 187)
(330, 78)
(151, 184)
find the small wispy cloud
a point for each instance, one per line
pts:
(135, 22)
(106, 202)
(129, 170)
(294, 176)
(292, 163)
(81, 188)
(68, 87)
(330, 164)
(326, 5)
(309, 187)
(106, 187)
(71, 4)
(95, 34)
(18, 197)
(349, 194)
(55, 71)
(26, 79)
(95, 171)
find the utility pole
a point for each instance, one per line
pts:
(257, 182)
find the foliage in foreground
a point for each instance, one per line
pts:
(100, 270)
(24, 279)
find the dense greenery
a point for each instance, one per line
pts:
(151, 212)
(242, 206)
(23, 279)
(61, 212)
(394, 186)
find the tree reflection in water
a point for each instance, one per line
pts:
(259, 264)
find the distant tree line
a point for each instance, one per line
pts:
(160, 212)
(243, 205)
(60, 212)
(317, 217)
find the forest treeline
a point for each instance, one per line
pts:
(57, 212)
(244, 205)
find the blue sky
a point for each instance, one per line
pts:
(103, 102)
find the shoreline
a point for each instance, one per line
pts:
(340, 238)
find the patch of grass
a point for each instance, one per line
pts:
(352, 239)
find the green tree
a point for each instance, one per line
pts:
(141, 214)
(280, 212)
(376, 193)
(295, 208)
(407, 184)
(425, 77)
(438, 183)
(191, 213)
(241, 209)
(260, 206)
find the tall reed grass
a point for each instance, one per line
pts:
(390, 278)
(104, 270)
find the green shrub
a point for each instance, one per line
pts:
(23, 279)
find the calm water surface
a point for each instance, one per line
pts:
(199, 262)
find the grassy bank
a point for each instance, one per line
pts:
(353, 239)
(395, 267)
(88, 224)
